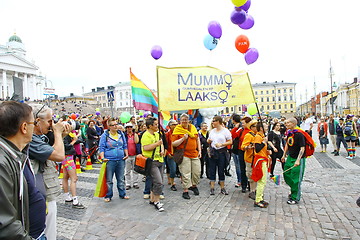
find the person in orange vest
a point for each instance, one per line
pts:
(248, 147)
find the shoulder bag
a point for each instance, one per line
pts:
(179, 153)
(143, 164)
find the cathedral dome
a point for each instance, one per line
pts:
(15, 38)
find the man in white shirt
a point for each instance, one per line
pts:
(308, 124)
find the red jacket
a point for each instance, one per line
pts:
(325, 127)
(239, 132)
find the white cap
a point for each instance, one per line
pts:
(128, 125)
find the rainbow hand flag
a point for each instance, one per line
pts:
(276, 179)
(144, 98)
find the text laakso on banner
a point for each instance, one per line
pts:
(184, 88)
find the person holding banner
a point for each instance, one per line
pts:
(219, 138)
(190, 167)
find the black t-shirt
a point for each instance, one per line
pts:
(37, 205)
(295, 142)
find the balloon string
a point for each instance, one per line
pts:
(209, 58)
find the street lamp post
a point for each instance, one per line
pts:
(331, 73)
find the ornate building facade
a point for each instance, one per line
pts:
(15, 65)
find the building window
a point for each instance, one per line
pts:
(240, 109)
(273, 99)
(267, 91)
(267, 99)
(268, 107)
(255, 92)
(261, 92)
(120, 95)
(285, 98)
(279, 99)
(291, 106)
(227, 109)
(279, 106)
(262, 99)
(285, 90)
(273, 91)
(285, 106)
(291, 97)
(290, 90)
(232, 109)
(274, 107)
(278, 90)
(104, 104)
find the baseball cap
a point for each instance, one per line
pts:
(128, 125)
(252, 122)
(349, 116)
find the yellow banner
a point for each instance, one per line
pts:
(201, 87)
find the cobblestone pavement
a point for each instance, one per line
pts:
(327, 209)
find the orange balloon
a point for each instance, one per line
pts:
(190, 112)
(73, 116)
(242, 43)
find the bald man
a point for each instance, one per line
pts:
(294, 167)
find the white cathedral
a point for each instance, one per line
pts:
(14, 63)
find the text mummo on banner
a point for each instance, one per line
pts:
(201, 87)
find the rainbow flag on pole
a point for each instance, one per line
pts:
(144, 98)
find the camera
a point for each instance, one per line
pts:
(74, 124)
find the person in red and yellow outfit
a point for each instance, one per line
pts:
(190, 167)
(260, 164)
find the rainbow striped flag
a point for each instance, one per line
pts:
(144, 98)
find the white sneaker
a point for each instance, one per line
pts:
(146, 196)
(348, 157)
(162, 197)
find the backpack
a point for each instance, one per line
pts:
(348, 129)
(309, 143)
(236, 142)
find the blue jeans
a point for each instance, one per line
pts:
(148, 183)
(244, 179)
(217, 161)
(117, 167)
(237, 166)
(171, 166)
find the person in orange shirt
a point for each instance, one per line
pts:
(260, 164)
(248, 147)
(190, 167)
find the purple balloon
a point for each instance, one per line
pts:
(214, 29)
(97, 113)
(156, 52)
(251, 55)
(246, 6)
(238, 17)
(249, 23)
(77, 115)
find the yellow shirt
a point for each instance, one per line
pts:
(147, 139)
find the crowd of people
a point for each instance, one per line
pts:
(32, 145)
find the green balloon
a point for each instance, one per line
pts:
(141, 113)
(125, 117)
(251, 109)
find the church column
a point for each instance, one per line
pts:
(25, 86)
(4, 84)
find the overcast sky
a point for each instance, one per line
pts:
(94, 43)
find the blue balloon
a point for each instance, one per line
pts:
(210, 42)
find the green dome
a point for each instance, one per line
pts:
(15, 38)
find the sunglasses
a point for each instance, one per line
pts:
(112, 125)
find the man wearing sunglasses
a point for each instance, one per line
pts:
(43, 157)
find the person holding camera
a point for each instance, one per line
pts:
(43, 157)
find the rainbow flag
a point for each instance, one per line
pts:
(144, 98)
(276, 179)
